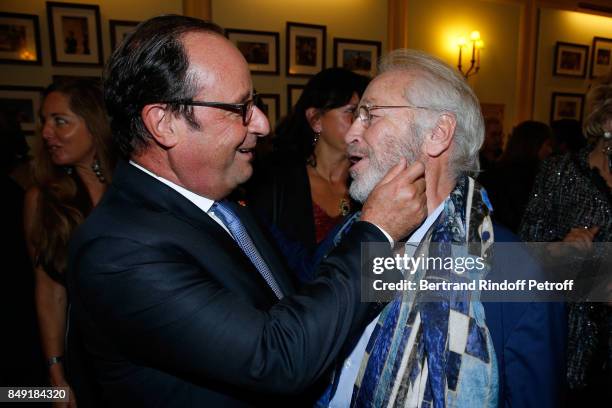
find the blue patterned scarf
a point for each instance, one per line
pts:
(438, 353)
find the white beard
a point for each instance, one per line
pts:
(390, 154)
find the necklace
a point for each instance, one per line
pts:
(345, 206)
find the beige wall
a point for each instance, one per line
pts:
(565, 26)
(434, 25)
(358, 19)
(136, 10)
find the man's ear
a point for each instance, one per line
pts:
(161, 124)
(441, 136)
(313, 116)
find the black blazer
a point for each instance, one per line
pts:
(279, 193)
(172, 313)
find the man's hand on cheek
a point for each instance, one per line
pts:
(398, 203)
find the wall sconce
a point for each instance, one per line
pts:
(477, 45)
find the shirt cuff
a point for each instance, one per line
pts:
(386, 234)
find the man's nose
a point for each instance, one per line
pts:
(259, 124)
(355, 132)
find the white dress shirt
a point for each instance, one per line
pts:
(350, 369)
(201, 202)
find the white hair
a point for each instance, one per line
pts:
(442, 89)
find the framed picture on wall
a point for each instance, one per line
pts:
(601, 57)
(23, 103)
(119, 29)
(570, 59)
(305, 49)
(566, 106)
(74, 31)
(270, 105)
(19, 39)
(359, 56)
(293, 94)
(61, 78)
(260, 49)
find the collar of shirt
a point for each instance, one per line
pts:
(420, 232)
(202, 203)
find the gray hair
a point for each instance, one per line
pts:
(599, 102)
(442, 89)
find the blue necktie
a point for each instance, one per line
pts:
(242, 238)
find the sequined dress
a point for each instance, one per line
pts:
(568, 193)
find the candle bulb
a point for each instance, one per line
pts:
(460, 42)
(473, 51)
(480, 46)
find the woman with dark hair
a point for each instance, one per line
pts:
(509, 182)
(572, 202)
(301, 189)
(72, 168)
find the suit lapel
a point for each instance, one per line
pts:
(206, 223)
(143, 189)
(266, 250)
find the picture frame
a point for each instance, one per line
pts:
(570, 59)
(119, 29)
(359, 56)
(293, 94)
(75, 34)
(20, 39)
(60, 78)
(601, 57)
(260, 49)
(24, 103)
(566, 105)
(305, 49)
(270, 105)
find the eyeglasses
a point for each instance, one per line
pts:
(364, 112)
(245, 110)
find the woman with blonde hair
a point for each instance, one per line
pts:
(72, 168)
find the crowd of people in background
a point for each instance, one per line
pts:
(546, 183)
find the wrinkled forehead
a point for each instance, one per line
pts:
(388, 88)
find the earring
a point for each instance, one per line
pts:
(68, 170)
(97, 169)
(316, 138)
(607, 135)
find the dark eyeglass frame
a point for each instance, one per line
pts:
(245, 109)
(364, 112)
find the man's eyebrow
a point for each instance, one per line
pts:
(366, 101)
(244, 97)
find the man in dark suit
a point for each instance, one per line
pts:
(178, 296)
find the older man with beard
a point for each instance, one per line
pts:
(454, 351)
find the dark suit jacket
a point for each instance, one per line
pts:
(172, 313)
(279, 193)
